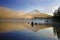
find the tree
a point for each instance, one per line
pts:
(57, 12)
(56, 17)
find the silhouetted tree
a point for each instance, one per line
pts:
(56, 17)
(57, 12)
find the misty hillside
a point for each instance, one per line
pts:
(9, 13)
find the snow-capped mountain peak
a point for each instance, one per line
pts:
(34, 12)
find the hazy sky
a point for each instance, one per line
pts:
(28, 5)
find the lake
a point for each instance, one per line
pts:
(23, 31)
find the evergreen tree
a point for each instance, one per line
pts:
(57, 12)
(56, 17)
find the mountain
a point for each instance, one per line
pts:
(9, 13)
(36, 13)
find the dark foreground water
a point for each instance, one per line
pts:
(45, 34)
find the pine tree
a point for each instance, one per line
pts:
(57, 12)
(56, 17)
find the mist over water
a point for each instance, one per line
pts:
(20, 29)
(17, 31)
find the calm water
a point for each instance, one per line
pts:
(44, 34)
(26, 34)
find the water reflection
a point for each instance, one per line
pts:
(45, 34)
(16, 31)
